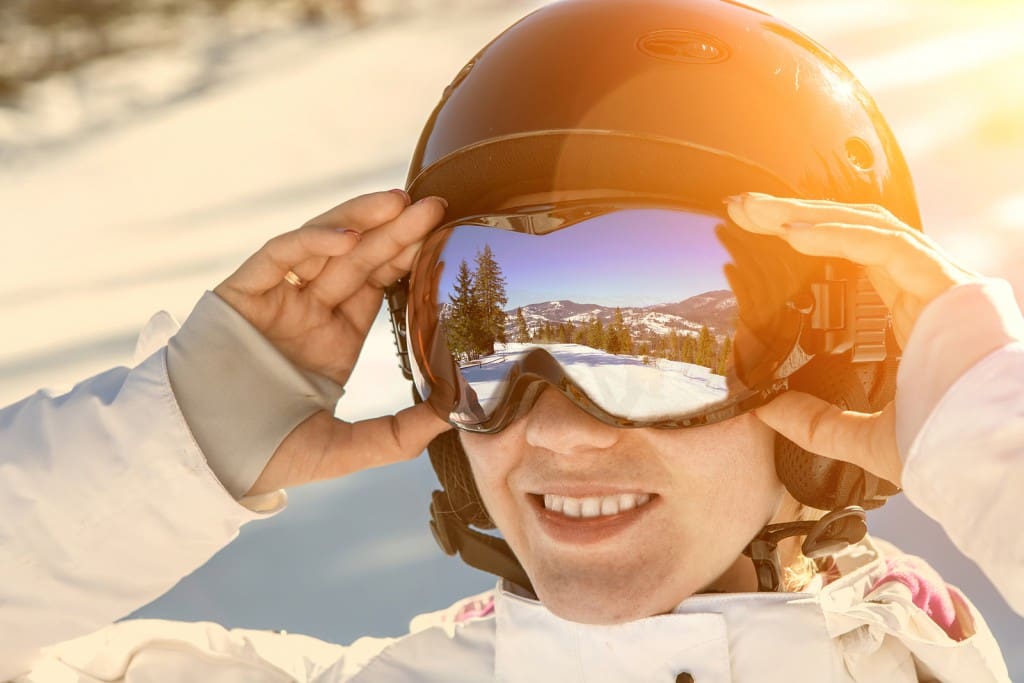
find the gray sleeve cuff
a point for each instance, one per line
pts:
(239, 395)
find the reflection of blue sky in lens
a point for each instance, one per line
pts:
(630, 258)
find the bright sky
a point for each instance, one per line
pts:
(630, 258)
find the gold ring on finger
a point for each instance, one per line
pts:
(293, 279)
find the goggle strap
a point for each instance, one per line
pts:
(397, 296)
(478, 550)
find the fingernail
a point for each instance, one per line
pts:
(346, 231)
(403, 194)
(443, 201)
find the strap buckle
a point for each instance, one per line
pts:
(850, 314)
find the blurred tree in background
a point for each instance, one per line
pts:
(39, 38)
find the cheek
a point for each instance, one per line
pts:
(752, 458)
(491, 459)
(726, 473)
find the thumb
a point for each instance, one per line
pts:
(324, 447)
(388, 439)
(867, 440)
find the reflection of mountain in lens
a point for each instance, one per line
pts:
(697, 330)
(716, 310)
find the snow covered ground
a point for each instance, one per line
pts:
(112, 220)
(622, 385)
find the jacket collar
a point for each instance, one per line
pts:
(713, 637)
(728, 637)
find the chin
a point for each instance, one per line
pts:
(606, 595)
(604, 613)
(611, 600)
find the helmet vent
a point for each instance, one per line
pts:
(859, 154)
(691, 47)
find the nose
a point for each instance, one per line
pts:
(557, 425)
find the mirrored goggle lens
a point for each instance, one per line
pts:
(641, 316)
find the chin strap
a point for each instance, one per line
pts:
(825, 536)
(478, 550)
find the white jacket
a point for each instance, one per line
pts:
(107, 502)
(840, 634)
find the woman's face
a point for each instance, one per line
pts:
(710, 490)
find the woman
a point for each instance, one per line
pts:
(299, 310)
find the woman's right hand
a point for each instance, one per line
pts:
(345, 258)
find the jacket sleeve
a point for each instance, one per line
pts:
(960, 426)
(105, 503)
(240, 396)
(141, 650)
(107, 499)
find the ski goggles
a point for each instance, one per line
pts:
(641, 315)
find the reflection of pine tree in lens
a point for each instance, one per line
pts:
(619, 339)
(723, 356)
(689, 354)
(596, 337)
(475, 320)
(522, 332)
(489, 293)
(706, 348)
(462, 316)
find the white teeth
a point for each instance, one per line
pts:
(610, 505)
(591, 507)
(553, 502)
(594, 506)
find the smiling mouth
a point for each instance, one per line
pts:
(593, 506)
(590, 520)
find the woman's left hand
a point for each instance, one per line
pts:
(906, 268)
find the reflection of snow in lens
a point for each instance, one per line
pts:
(486, 377)
(625, 386)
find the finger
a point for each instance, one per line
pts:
(382, 441)
(759, 196)
(329, 234)
(266, 269)
(770, 214)
(342, 277)
(364, 212)
(908, 263)
(324, 447)
(867, 440)
(310, 268)
(361, 308)
(397, 267)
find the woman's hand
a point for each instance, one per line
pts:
(906, 268)
(344, 259)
